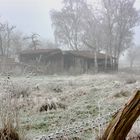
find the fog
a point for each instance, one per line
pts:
(69, 69)
(37, 15)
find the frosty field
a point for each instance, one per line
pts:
(81, 104)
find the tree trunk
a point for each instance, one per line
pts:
(1, 46)
(131, 64)
(116, 61)
(95, 62)
(106, 58)
(120, 126)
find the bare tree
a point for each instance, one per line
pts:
(67, 24)
(34, 40)
(120, 17)
(9, 30)
(6, 31)
(108, 26)
(2, 29)
(92, 37)
(108, 29)
(17, 42)
(133, 54)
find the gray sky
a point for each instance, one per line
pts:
(33, 15)
(30, 15)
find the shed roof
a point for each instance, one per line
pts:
(86, 54)
(39, 51)
(80, 53)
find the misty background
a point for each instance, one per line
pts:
(68, 69)
(34, 16)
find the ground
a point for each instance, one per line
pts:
(83, 103)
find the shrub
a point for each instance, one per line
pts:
(122, 93)
(9, 133)
(9, 113)
(51, 105)
(131, 80)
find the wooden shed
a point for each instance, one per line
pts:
(83, 61)
(49, 61)
(53, 61)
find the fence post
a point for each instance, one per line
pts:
(122, 123)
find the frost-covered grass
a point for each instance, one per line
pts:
(86, 97)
